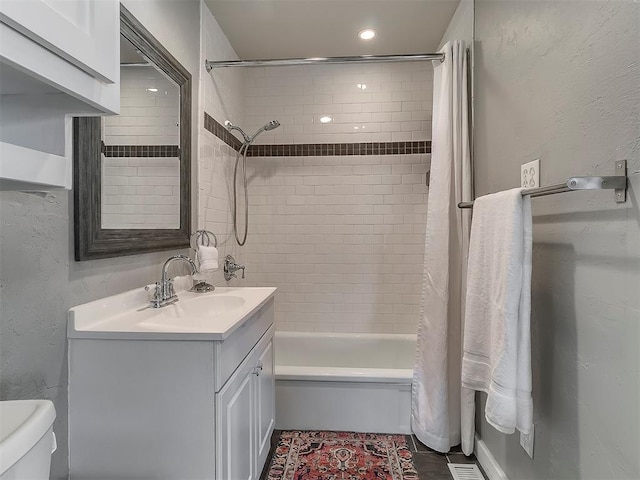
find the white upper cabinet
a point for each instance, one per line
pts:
(58, 59)
(85, 32)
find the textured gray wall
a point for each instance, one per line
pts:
(560, 80)
(39, 279)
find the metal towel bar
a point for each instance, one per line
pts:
(203, 237)
(617, 182)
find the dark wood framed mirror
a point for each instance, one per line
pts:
(111, 217)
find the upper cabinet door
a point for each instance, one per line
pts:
(83, 32)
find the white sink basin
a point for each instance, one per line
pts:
(213, 315)
(195, 313)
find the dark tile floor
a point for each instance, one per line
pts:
(430, 464)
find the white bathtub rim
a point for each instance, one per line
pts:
(402, 376)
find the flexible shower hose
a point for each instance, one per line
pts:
(241, 151)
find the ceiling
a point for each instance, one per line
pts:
(260, 29)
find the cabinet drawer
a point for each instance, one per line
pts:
(230, 353)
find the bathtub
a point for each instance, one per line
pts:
(353, 382)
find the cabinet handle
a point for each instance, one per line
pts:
(258, 369)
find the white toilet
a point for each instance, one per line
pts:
(26, 439)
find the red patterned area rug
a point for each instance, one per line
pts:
(341, 456)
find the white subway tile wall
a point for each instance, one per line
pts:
(342, 237)
(222, 97)
(141, 192)
(147, 117)
(383, 102)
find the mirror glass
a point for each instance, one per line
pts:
(132, 171)
(140, 164)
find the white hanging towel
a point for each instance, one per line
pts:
(207, 258)
(497, 336)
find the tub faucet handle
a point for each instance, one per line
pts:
(230, 267)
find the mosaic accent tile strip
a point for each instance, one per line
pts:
(317, 149)
(141, 151)
(221, 132)
(333, 149)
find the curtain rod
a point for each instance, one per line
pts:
(283, 62)
(617, 182)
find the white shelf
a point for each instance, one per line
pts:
(57, 60)
(26, 169)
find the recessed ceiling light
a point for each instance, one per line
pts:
(325, 119)
(366, 34)
(361, 86)
(154, 90)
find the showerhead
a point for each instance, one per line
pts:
(273, 124)
(247, 139)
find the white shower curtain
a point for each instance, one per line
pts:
(435, 416)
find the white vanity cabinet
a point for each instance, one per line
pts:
(58, 58)
(172, 405)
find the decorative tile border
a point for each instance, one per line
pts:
(317, 149)
(333, 149)
(221, 132)
(141, 151)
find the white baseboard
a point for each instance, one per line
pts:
(487, 461)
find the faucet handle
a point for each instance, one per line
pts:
(157, 293)
(241, 267)
(170, 290)
(156, 299)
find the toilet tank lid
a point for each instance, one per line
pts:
(22, 424)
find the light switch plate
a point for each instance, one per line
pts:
(526, 442)
(530, 174)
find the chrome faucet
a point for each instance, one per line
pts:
(230, 266)
(164, 293)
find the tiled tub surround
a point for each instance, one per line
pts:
(340, 233)
(337, 211)
(342, 237)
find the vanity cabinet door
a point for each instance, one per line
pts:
(235, 424)
(265, 402)
(245, 415)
